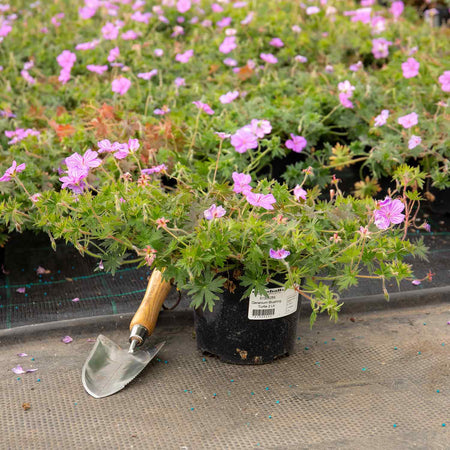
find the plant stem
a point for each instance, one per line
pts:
(217, 160)
(191, 147)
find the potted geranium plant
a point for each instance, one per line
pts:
(227, 242)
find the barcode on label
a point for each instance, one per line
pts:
(263, 312)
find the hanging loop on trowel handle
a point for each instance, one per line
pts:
(144, 321)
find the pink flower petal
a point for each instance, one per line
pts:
(76, 299)
(18, 370)
(41, 271)
(67, 339)
(22, 354)
(21, 290)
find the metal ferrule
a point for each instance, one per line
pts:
(137, 336)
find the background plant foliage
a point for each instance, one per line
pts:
(299, 98)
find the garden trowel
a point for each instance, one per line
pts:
(109, 368)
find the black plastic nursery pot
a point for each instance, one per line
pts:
(245, 331)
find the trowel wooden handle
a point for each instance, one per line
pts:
(148, 311)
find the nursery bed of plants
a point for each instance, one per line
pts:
(378, 382)
(228, 140)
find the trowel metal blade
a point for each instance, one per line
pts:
(109, 368)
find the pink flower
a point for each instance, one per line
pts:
(183, 6)
(110, 31)
(21, 290)
(378, 24)
(279, 254)
(19, 134)
(204, 107)
(64, 76)
(261, 200)
(74, 180)
(301, 59)
(346, 88)
(299, 192)
(54, 20)
(296, 29)
(104, 146)
(97, 69)
(121, 85)
(228, 44)
(388, 212)
(216, 8)
(408, 121)
(148, 75)
(241, 183)
(83, 163)
(228, 97)
(230, 62)
(66, 59)
(310, 10)
(345, 102)
(268, 58)
(248, 18)
(121, 151)
(5, 29)
(177, 31)
(410, 68)
(87, 45)
(86, 12)
(130, 35)
(416, 282)
(161, 111)
(180, 82)
(260, 127)
(380, 48)
(161, 222)
(154, 169)
(414, 141)
(222, 135)
(12, 171)
(27, 77)
(276, 42)
(381, 119)
(150, 255)
(214, 212)
(184, 57)
(356, 67)
(159, 52)
(397, 9)
(35, 197)
(444, 79)
(361, 15)
(225, 22)
(243, 140)
(113, 54)
(296, 143)
(133, 145)
(138, 16)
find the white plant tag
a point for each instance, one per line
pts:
(279, 303)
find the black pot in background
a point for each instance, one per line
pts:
(229, 334)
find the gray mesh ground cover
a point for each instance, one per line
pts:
(49, 297)
(380, 382)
